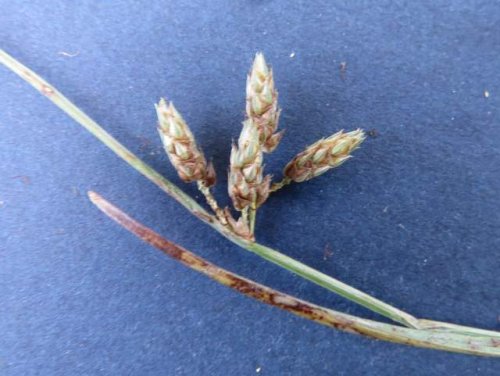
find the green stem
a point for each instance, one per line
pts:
(434, 339)
(185, 200)
(244, 216)
(251, 219)
(212, 202)
(280, 184)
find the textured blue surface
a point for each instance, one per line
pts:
(413, 219)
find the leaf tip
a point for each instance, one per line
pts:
(94, 197)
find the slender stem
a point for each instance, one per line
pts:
(185, 200)
(212, 202)
(244, 216)
(280, 184)
(252, 212)
(434, 339)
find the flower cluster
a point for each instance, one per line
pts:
(248, 187)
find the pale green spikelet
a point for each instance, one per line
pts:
(180, 146)
(246, 185)
(323, 155)
(262, 103)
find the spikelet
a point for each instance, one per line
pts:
(323, 155)
(180, 146)
(246, 186)
(262, 103)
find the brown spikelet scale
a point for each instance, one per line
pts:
(246, 186)
(323, 155)
(262, 103)
(239, 226)
(180, 146)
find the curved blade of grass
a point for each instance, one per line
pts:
(433, 339)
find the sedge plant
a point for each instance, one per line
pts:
(249, 187)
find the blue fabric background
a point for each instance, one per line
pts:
(413, 219)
